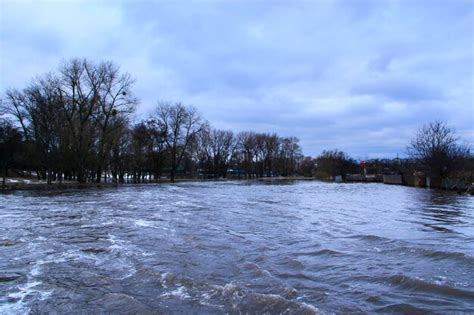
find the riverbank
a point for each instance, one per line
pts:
(22, 184)
(13, 184)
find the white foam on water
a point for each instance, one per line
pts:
(165, 277)
(311, 308)
(107, 223)
(131, 271)
(205, 300)
(116, 243)
(440, 280)
(35, 271)
(18, 304)
(86, 202)
(12, 308)
(182, 203)
(374, 249)
(126, 266)
(143, 223)
(179, 292)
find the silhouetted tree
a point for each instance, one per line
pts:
(38, 110)
(246, 142)
(120, 157)
(215, 149)
(140, 150)
(307, 166)
(289, 156)
(437, 148)
(75, 125)
(180, 125)
(115, 102)
(10, 147)
(70, 116)
(156, 148)
(334, 163)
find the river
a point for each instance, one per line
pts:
(300, 247)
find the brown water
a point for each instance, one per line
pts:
(237, 247)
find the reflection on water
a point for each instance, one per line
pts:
(237, 247)
(442, 209)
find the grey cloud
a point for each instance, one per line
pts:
(403, 90)
(359, 75)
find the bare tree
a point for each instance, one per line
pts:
(214, 150)
(79, 86)
(120, 159)
(95, 97)
(140, 149)
(332, 163)
(38, 111)
(246, 141)
(223, 147)
(289, 156)
(156, 150)
(17, 105)
(203, 152)
(180, 124)
(437, 148)
(267, 154)
(75, 124)
(70, 115)
(307, 166)
(116, 101)
(10, 146)
(271, 147)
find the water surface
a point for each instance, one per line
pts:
(237, 247)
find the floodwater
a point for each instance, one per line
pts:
(237, 247)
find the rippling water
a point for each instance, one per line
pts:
(237, 247)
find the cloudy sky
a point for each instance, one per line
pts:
(358, 75)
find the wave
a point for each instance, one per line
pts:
(120, 303)
(426, 252)
(445, 255)
(143, 223)
(322, 252)
(94, 250)
(7, 277)
(295, 264)
(257, 269)
(370, 237)
(401, 308)
(16, 301)
(234, 298)
(421, 285)
(434, 254)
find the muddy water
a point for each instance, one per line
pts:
(237, 247)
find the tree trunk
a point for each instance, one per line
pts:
(4, 180)
(172, 174)
(80, 176)
(49, 177)
(173, 166)
(99, 175)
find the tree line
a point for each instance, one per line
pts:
(435, 150)
(76, 124)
